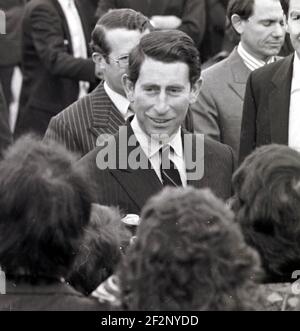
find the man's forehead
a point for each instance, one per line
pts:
(294, 6)
(267, 9)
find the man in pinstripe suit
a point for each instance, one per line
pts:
(129, 167)
(106, 108)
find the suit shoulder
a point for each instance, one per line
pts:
(218, 149)
(213, 72)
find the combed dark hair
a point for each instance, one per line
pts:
(100, 252)
(267, 188)
(45, 203)
(189, 255)
(243, 8)
(165, 46)
(114, 19)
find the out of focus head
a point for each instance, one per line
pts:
(267, 188)
(292, 8)
(188, 255)
(115, 35)
(45, 204)
(100, 251)
(260, 24)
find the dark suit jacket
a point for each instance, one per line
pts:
(5, 133)
(55, 296)
(129, 189)
(51, 73)
(266, 106)
(10, 43)
(79, 126)
(192, 12)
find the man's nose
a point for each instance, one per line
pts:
(279, 30)
(162, 104)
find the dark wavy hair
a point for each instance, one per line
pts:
(189, 255)
(267, 205)
(165, 46)
(45, 204)
(105, 239)
(116, 19)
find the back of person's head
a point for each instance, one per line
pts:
(100, 251)
(165, 46)
(126, 18)
(267, 188)
(45, 204)
(189, 255)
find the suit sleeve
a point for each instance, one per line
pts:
(60, 132)
(205, 113)
(48, 39)
(194, 20)
(248, 128)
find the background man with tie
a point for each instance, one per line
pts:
(160, 99)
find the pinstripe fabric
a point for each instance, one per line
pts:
(78, 126)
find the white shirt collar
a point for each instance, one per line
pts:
(152, 146)
(250, 61)
(119, 101)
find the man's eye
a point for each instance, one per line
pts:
(295, 17)
(174, 90)
(267, 23)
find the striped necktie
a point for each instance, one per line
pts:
(169, 173)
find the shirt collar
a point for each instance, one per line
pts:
(66, 4)
(119, 100)
(250, 61)
(152, 146)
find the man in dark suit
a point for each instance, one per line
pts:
(152, 150)
(56, 67)
(271, 107)
(106, 108)
(188, 16)
(219, 108)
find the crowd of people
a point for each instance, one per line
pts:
(154, 164)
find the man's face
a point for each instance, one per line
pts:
(121, 42)
(263, 33)
(294, 24)
(161, 96)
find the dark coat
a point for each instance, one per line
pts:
(51, 73)
(129, 189)
(192, 12)
(266, 106)
(46, 297)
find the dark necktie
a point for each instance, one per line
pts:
(169, 174)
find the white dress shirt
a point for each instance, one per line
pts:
(151, 148)
(77, 36)
(250, 61)
(294, 117)
(119, 101)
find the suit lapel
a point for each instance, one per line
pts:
(139, 183)
(106, 118)
(279, 101)
(240, 74)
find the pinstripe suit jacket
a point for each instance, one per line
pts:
(122, 186)
(78, 126)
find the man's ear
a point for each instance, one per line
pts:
(237, 23)
(195, 90)
(99, 60)
(128, 87)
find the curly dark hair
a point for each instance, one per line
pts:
(189, 255)
(45, 203)
(267, 205)
(100, 252)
